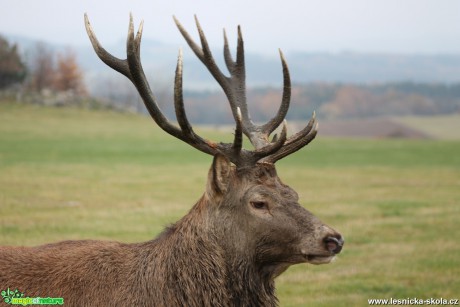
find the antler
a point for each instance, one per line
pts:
(234, 88)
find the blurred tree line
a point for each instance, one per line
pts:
(59, 73)
(45, 77)
(55, 78)
(333, 101)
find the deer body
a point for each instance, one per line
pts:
(245, 230)
(183, 267)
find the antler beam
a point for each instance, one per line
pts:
(234, 88)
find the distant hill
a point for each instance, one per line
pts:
(159, 62)
(351, 67)
(344, 86)
(346, 67)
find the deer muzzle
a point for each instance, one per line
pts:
(334, 243)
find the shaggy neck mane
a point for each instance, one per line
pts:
(199, 266)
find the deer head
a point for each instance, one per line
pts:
(245, 206)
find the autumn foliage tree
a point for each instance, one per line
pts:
(68, 75)
(12, 69)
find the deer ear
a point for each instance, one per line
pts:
(219, 175)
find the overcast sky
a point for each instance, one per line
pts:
(396, 26)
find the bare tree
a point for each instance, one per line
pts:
(42, 68)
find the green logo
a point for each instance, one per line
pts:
(8, 295)
(16, 297)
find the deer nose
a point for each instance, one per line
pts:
(334, 244)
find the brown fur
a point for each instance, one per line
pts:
(224, 252)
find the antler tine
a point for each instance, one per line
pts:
(115, 63)
(238, 79)
(239, 63)
(272, 124)
(238, 141)
(296, 141)
(179, 99)
(139, 80)
(293, 147)
(233, 86)
(304, 132)
(189, 136)
(275, 146)
(204, 53)
(240, 55)
(227, 54)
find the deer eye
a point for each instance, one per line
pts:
(259, 204)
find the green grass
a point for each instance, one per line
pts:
(76, 174)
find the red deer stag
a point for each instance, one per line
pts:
(245, 230)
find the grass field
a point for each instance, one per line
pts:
(76, 174)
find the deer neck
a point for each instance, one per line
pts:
(195, 244)
(247, 283)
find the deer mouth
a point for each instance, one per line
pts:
(319, 259)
